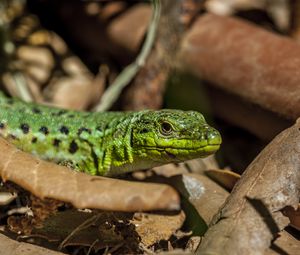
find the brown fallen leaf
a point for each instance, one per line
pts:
(285, 244)
(202, 197)
(225, 178)
(108, 229)
(193, 244)
(12, 247)
(294, 216)
(200, 165)
(47, 180)
(43, 67)
(99, 230)
(203, 193)
(95, 229)
(175, 252)
(155, 227)
(197, 166)
(79, 89)
(251, 218)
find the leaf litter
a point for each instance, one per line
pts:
(205, 195)
(54, 189)
(48, 180)
(251, 217)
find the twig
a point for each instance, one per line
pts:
(113, 92)
(82, 226)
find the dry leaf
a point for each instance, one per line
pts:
(198, 166)
(285, 244)
(203, 193)
(12, 247)
(294, 216)
(86, 228)
(193, 243)
(155, 227)
(251, 217)
(45, 179)
(225, 178)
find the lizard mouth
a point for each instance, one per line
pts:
(189, 150)
(171, 155)
(179, 153)
(209, 146)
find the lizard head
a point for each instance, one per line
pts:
(173, 136)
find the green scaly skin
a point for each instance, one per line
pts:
(109, 143)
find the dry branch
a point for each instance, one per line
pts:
(246, 60)
(148, 87)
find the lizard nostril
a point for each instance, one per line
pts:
(213, 137)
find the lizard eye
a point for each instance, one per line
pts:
(166, 128)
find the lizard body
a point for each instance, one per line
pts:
(108, 143)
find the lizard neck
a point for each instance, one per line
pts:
(118, 151)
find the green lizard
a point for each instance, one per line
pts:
(108, 143)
